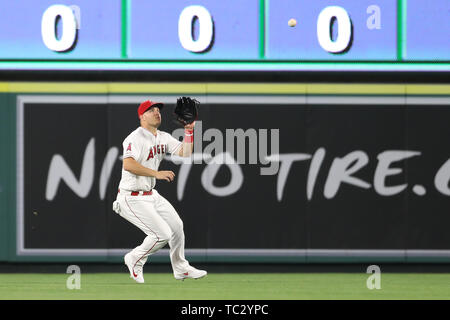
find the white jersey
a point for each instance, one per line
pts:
(148, 150)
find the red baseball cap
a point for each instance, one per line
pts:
(144, 106)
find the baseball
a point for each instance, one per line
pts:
(292, 22)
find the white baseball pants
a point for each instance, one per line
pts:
(158, 219)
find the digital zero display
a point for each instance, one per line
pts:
(233, 35)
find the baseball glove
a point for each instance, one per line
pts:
(186, 110)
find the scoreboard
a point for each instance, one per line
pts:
(366, 35)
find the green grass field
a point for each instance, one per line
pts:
(226, 286)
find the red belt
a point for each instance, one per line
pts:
(142, 193)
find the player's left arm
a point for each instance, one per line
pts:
(187, 146)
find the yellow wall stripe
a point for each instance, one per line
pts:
(256, 88)
(55, 87)
(224, 88)
(158, 87)
(4, 87)
(355, 88)
(428, 89)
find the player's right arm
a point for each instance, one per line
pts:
(131, 152)
(131, 165)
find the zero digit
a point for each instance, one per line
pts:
(69, 28)
(344, 36)
(206, 26)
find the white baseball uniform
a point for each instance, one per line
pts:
(139, 203)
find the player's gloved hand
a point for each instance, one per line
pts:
(186, 110)
(165, 175)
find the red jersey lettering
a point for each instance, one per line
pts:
(150, 155)
(159, 149)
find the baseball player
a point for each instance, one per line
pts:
(139, 202)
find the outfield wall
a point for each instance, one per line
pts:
(360, 174)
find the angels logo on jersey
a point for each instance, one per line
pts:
(158, 149)
(129, 147)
